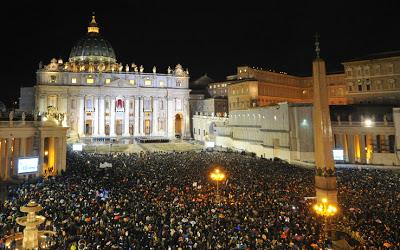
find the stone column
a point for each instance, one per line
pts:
(345, 148)
(112, 117)
(96, 117)
(186, 117)
(339, 143)
(63, 153)
(101, 116)
(136, 114)
(8, 158)
(155, 116)
(170, 118)
(59, 154)
(2, 157)
(363, 154)
(350, 143)
(141, 116)
(126, 117)
(81, 116)
(22, 149)
(42, 103)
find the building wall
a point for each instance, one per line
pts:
(258, 88)
(286, 131)
(374, 80)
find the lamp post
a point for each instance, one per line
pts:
(217, 176)
(325, 210)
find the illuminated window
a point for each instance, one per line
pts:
(161, 83)
(89, 80)
(52, 79)
(73, 80)
(147, 82)
(108, 80)
(132, 82)
(219, 86)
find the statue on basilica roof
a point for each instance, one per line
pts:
(169, 70)
(141, 68)
(154, 69)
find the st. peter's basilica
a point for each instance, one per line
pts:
(101, 97)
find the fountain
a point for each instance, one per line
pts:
(31, 233)
(31, 238)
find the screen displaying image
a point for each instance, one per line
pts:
(77, 147)
(338, 154)
(28, 165)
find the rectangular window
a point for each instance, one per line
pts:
(52, 79)
(132, 82)
(147, 82)
(359, 87)
(161, 83)
(73, 80)
(368, 87)
(89, 80)
(108, 80)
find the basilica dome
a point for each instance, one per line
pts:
(92, 47)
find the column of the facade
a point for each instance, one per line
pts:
(101, 116)
(338, 141)
(171, 117)
(345, 147)
(363, 155)
(96, 117)
(136, 114)
(186, 117)
(141, 115)
(81, 116)
(351, 153)
(126, 117)
(8, 158)
(59, 156)
(2, 157)
(63, 153)
(41, 156)
(154, 130)
(22, 149)
(112, 117)
(42, 103)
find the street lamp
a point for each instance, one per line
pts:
(326, 210)
(217, 176)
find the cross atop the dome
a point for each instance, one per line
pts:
(93, 28)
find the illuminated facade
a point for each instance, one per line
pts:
(102, 98)
(257, 88)
(374, 79)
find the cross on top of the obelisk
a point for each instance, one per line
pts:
(317, 50)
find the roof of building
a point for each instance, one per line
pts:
(375, 56)
(92, 47)
(201, 82)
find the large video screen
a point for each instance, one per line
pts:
(28, 165)
(77, 147)
(338, 154)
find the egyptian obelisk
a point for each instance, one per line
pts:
(325, 176)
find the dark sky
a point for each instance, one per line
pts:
(204, 36)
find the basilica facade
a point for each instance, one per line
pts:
(100, 97)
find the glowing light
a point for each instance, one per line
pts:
(217, 175)
(368, 123)
(46, 153)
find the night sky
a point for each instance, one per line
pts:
(204, 36)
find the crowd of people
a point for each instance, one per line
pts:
(168, 201)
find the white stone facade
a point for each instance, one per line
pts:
(108, 104)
